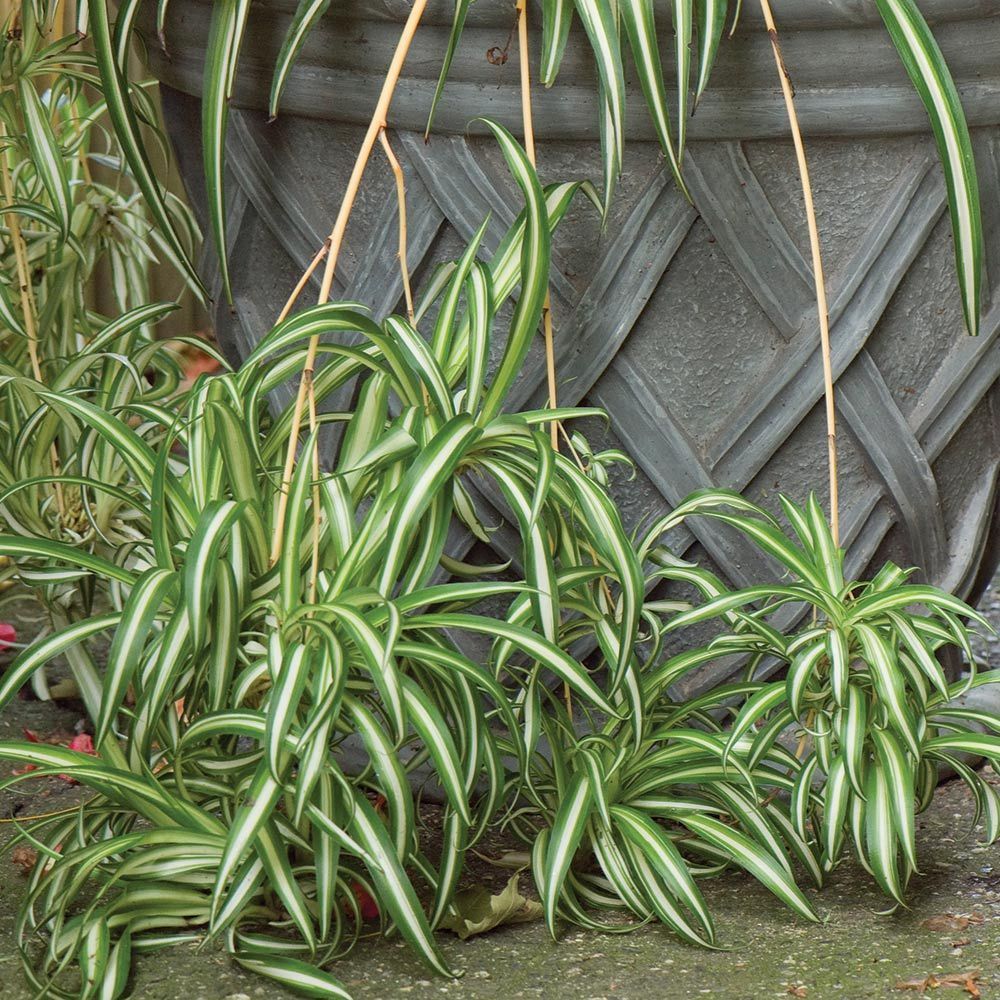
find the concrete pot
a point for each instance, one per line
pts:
(693, 325)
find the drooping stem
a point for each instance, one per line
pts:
(377, 124)
(529, 148)
(817, 264)
(397, 173)
(404, 270)
(317, 522)
(28, 304)
(302, 282)
(316, 525)
(21, 262)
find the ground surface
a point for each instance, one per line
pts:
(950, 930)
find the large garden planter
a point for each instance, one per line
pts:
(693, 325)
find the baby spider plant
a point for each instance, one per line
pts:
(627, 818)
(871, 714)
(629, 814)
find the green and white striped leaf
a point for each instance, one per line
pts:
(209, 535)
(535, 254)
(47, 157)
(547, 654)
(297, 976)
(454, 37)
(926, 66)
(283, 704)
(121, 111)
(711, 17)
(880, 834)
(395, 892)
(567, 831)
(598, 20)
(431, 726)
(39, 653)
(222, 51)
(641, 28)
(898, 771)
(307, 14)
(145, 602)
(557, 17)
(853, 737)
(889, 685)
(650, 838)
(683, 11)
(758, 862)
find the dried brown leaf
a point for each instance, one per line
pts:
(477, 911)
(952, 980)
(948, 922)
(24, 857)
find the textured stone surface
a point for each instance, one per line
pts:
(693, 325)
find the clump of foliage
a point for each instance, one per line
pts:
(255, 639)
(266, 628)
(232, 681)
(71, 211)
(70, 206)
(873, 713)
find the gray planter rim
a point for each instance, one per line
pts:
(848, 77)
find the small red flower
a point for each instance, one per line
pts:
(366, 903)
(84, 743)
(8, 636)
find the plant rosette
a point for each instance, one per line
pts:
(875, 716)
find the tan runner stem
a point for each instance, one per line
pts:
(817, 263)
(529, 148)
(378, 123)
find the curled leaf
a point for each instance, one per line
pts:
(477, 910)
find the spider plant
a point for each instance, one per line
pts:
(615, 32)
(872, 711)
(222, 804)
(628, 816)
(69, 205)
(70, 200)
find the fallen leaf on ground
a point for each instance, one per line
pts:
(953, 980)
(24, 858)
(797, 991)
(82, 743)
(366, 902)
(194, 363)
(477, 911)
(950, 922)
(64, 690)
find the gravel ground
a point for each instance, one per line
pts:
(947, 938)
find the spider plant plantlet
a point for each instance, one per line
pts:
(875, 716)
